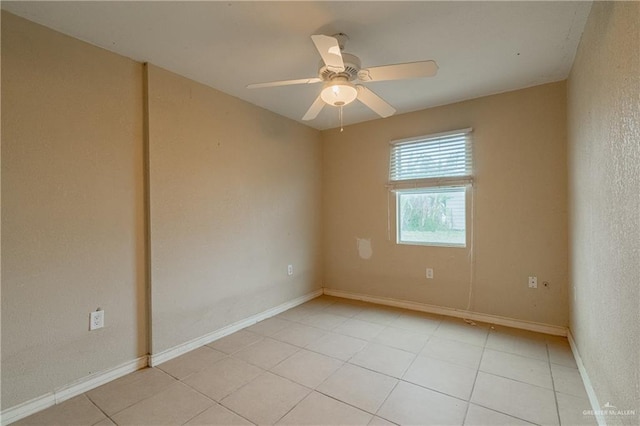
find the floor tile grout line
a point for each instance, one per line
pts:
(241, 386)
(330, 356)
(367, 343)
(302, 384)
(244, 347)
(98, 407)
(389, 324)
(176, 381)
(553, 385)
(348, 361)
(294, 406)
(143, 399)
(515, 380)
(375, 371)
(457, 364)
(227, 408)
(520, 354)
(484, 347)
(217, 402)
(254, 379)
(385, 400)
(436, 391)
(516, 354)
(298, 349)
(521, 380)
(352, 405)
(506, 414)
(344, 362)
(200, 412)
(371, 340)
(399, 379)
(429, 336)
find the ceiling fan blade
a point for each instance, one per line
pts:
(329, 49)
(283, 83)
(314, 109)
(399, 71)
(374, 102)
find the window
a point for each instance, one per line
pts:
(430, 176)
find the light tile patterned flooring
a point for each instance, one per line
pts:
(334, 361)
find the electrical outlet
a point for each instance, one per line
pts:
(533, 282)
(289, 269)
(430, 273)
(96, 320)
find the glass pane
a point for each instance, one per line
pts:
(432, 216)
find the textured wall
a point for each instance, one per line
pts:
(604, 206)
(235, 197)
(72, 210)
(519, 141)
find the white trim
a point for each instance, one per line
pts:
(27, 408)
(76, 388)
(452, 312)
(588, 386)
(432, 136)
(92, 381)
(183, 348)
(409, 185)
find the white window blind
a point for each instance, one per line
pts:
(433, 160)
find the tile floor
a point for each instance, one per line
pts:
(336, 361)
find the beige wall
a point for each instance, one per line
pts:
(519, 141)
(235, 198)
(604, 203)
(72, 210)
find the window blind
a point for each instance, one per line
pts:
(433, 160)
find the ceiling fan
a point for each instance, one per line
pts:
(340, 71)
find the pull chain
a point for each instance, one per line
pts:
(340, 115)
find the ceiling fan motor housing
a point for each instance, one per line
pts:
(351, 68)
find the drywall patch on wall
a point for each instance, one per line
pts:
(365, 251)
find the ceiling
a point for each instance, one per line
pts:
(482, 48)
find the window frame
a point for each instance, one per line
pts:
(425, 190)
(432, 183)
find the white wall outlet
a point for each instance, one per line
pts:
(430, 273)
(289, 269)
(96, 320)
(533, 282)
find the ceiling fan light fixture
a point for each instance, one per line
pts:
(339, 93)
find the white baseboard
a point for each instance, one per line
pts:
(92, 381)
(76, 388)
(588, 386)
(183, 348)
(27, 408)
(458, 313)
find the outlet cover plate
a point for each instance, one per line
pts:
(96, 320)
(533, 282)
